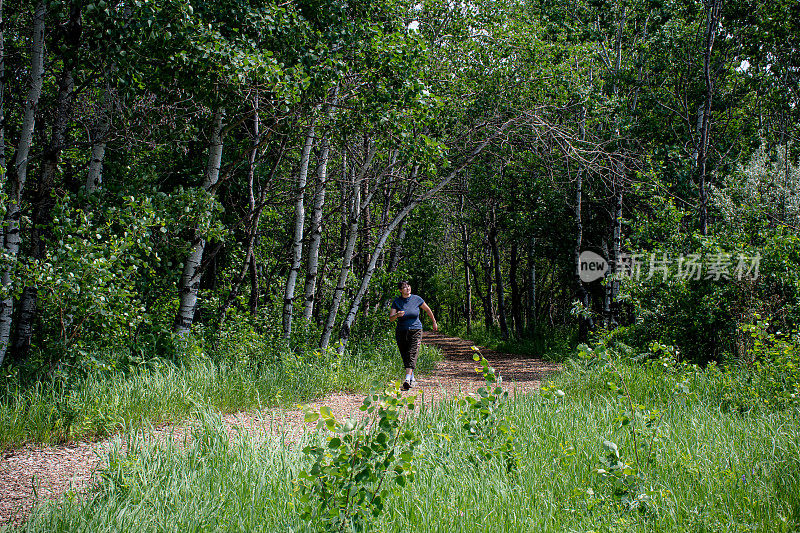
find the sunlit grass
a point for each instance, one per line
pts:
(101, 404)
(707, 470)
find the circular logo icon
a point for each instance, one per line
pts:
(591, 266)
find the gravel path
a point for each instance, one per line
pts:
(34, 473)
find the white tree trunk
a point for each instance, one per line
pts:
(253, 216)
(347, 265)
(190, 279)
(532, 294)
(316, 231)
(585, 323)
(28, 301)
(94, 178)
(297, 241)
(2, 111)
(19, 174)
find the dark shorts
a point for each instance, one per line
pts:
(408, 341)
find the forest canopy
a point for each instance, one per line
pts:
(267, 171)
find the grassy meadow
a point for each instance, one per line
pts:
(698, 464)
(72, 405)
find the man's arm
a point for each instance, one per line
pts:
(427, 309)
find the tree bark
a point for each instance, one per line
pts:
(488, 306)
(192, 273)
(43, 202)
(99, 132)
(713, 7)
(3, 168)
(316, 231)
(498, 274)
(465, 259)
(19, 174)
(516, 296)
(616, 258)
(347, 261)
(297, 241)
(585, 323)
(532, 287)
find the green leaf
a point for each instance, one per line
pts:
(611, 447)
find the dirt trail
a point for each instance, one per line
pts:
(34, 473)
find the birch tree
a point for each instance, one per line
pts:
(190, 278)
(46, 177)
(299, 222)
(19, 174)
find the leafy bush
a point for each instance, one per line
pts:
(481, 419)
(357, 469)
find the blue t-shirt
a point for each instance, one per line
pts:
(410, 305)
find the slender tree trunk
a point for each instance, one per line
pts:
(465, 259)
(43, 205)
(477, 285)
(19, 174)
(388, 191)
(319, 294)
(44, 201)
(714, 7)
(498, 274)
(94, 178)
(192, 272)
(532, 287)
(254, 287)
(348, 322)
(607, 291)
(316, 231)
(486, 264)
(347, 262)
(516, 296)
(253, 217)
(584, 321)
(297, 241)
(3, 168)
(397, 245)
(356, 207)
(616, 257)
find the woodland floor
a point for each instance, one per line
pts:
(31, 474)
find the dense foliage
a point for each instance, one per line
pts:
(252, 178)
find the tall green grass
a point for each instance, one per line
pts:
(64, 407)
(709, 470)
